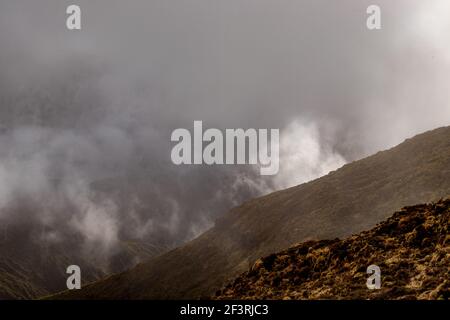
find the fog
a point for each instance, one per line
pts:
(86, 116)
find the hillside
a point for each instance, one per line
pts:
(354, 198)
(34, 255)
(412, 249)
(31, 268)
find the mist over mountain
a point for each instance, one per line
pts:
(86, 116)
(349, 200)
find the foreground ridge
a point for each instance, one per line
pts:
(412, 249)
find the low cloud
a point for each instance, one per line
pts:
(86, 117)
(304, 155)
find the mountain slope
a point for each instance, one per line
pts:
(346, 201)
(31, 267)
(412, 249)
(35, 253)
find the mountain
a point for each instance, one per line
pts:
(412, 250)
(31, 266)
(29, 269)
(38, 244)
(354, 198)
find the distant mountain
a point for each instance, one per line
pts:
(31, 267)
(411, 249)
(35, 254)
(354, 198)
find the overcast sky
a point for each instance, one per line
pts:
(92, 111)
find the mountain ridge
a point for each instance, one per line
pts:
(348, 200)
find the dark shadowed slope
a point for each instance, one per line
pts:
(344, 202)
(412, 249)
(31, 267)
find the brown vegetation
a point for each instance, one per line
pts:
(412, 249)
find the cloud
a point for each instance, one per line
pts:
(86, 117)
(304, 155)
